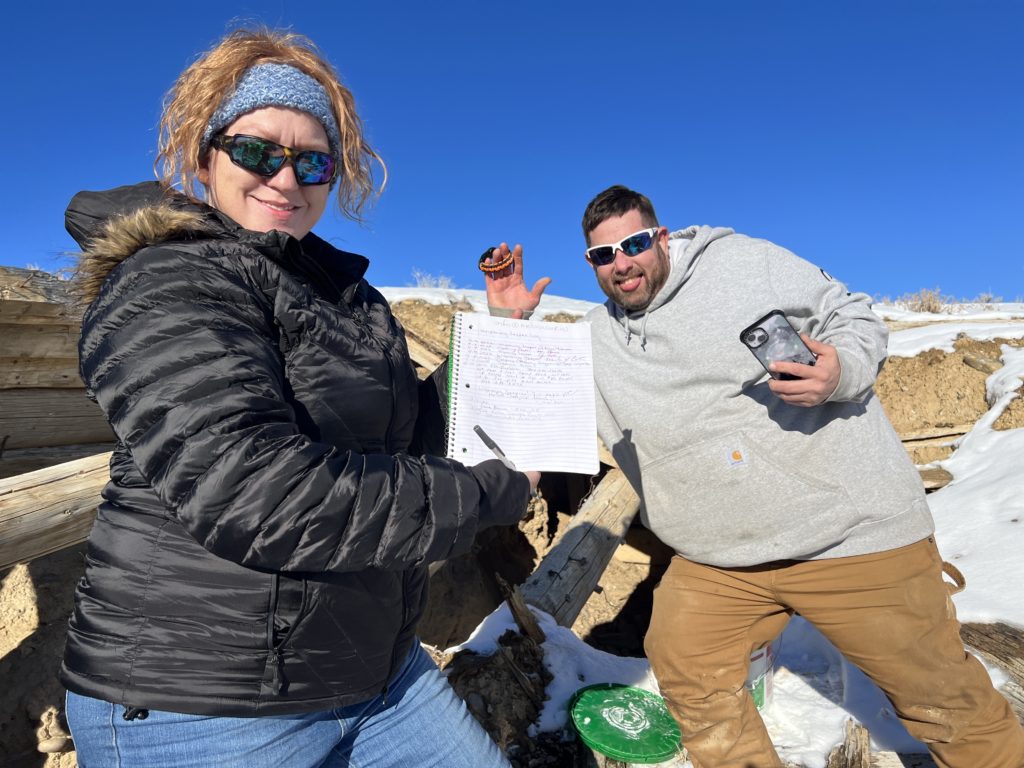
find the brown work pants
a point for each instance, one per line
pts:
(889, 613)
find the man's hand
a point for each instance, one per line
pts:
(815, 383)
(506, 289)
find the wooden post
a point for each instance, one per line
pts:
(1002, 645)
(855, 750)
(568, 574)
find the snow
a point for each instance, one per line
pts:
(549, 305)
(979, 528)
(913, 341)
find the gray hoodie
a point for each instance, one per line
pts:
(730, 475)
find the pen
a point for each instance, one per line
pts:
(494, 447)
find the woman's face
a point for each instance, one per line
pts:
(259, 203)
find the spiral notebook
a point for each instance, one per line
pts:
(529, 385)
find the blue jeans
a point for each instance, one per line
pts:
(423, 723)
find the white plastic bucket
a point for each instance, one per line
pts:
(759, 678)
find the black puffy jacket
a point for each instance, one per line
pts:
(261, 545)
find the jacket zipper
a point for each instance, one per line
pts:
(359, 316)
(274, 655)
(406, 575)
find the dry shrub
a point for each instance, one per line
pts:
(929, 300)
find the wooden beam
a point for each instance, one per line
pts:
(1002, 645)
(37, 418)
(564, 580)
(855, 751)
(28, 312)
(58, 340)
(33, 373)
(893, 760)
(949, 432)
(23, 460)
(49, 509)
(422, 356)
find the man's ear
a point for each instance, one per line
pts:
(204, 176)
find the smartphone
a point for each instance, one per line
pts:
(772, 339)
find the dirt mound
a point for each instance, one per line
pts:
(942, 394)
(933, 393)
(35, 601)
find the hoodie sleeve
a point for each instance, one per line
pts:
(824, 309)
(180, 351)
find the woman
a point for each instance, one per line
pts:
(257, 567)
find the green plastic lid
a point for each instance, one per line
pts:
(625, 723)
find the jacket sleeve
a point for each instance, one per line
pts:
(825, 310)
(181, 353)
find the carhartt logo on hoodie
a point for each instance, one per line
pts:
(736, 458)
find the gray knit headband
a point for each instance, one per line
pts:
(276, 85)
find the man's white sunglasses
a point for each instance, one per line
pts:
(635, 244)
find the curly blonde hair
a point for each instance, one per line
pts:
(200, 89)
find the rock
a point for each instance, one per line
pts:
(934, 478)
(983, 364)
(53, 745)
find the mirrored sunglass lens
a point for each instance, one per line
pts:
(256, 156)
(636, 244)
(314, 167)
(603, 255)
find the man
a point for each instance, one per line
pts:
(779, 496)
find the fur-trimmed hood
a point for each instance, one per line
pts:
(112, 225)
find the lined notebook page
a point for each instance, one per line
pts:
(530, 386)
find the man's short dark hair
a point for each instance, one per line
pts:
(617, 201)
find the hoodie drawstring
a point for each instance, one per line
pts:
(629, 328)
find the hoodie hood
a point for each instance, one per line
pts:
(685, 248)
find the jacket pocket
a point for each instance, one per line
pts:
(288, 600)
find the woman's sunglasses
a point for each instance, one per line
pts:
(265, 158)
(633, 245)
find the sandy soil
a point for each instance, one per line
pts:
(930, 392)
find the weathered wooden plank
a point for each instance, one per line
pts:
(855, 751)
(57, 340)
(28, 312)
(422, 356)
(35, 418)
(1002, 645)
(567, 575)
(49, 509)
(31, 373)
(948, 432)
(893, 760)
(22, 460)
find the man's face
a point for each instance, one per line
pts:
(631, 281)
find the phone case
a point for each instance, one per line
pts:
(772, 339)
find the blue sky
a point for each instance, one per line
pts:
(883, 141)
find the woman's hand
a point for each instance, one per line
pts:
(534, 478)
(506, 288)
